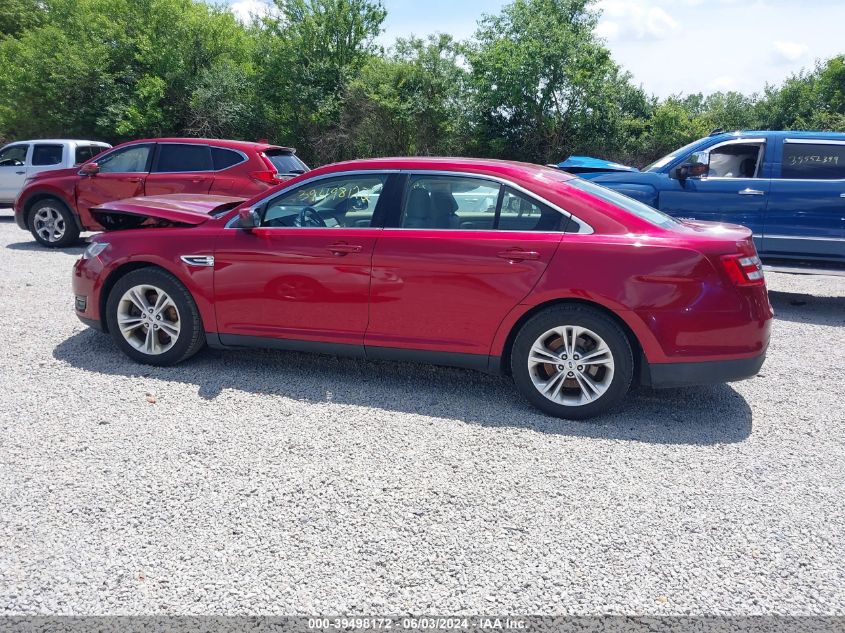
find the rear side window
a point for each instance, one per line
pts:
(84, 153)
(813, 161)
(639, 209)
(224, 158)
(13, 156)
(450, 202)
(175, 157)
(521, 213)
(44, 154)
(285, 162)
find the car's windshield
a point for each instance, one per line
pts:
(639, 209)
(659, 164)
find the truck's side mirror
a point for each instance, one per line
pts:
(697, 165)
(249, 218)
(89, 169)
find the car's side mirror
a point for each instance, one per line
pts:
(89, 169)
(696, 166)
(249, 218)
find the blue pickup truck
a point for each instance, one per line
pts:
(787, 187)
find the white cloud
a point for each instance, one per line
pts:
(789, 52)
(247, 10)
(634, 20)
(723, 84)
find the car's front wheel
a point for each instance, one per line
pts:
(153, 318)
(52, 224)
(572, 361)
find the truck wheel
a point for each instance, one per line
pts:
(52, 223)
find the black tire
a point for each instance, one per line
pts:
(618, 382)
(65, 222)
(191, 337)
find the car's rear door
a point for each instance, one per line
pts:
(180, 168)
(304, 274)
(805, 218)
(444, 277)
(121, 175)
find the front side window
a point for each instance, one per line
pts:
(175, 158)
(43, 154)
(126, 160)
(813, 161)
(735, 161)
(13, 156)
(450, 202)
(521, 213)
(341, 202)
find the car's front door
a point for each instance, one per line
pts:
(732, 188)
(444, 275)
(304, 274)
(13, 162)
(180, 168)
(121, 175)
(805, 218)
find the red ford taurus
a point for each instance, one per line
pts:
(574, 290)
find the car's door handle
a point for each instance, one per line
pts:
(518, 255)
(752, 192)
(133, 180)
(196, 180)
(842, 195)
(20, 173)
(345, 249)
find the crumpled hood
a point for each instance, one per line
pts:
(588, 164)
(178, 208)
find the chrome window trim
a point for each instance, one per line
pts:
(811, 141)
(583, 227)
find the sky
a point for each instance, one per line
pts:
(669, 46)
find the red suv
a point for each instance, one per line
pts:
(55, 206)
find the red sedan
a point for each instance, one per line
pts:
(573, 289)
(55, 206)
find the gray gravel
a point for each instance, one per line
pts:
(281, 483)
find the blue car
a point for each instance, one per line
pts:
(787, 187)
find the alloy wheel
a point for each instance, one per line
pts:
(49, 224)
(571, 365)
(148, 319)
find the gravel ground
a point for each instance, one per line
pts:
(282, 483)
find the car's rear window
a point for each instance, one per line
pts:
(639, 209)
(285, 162)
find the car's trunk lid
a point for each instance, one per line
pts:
(159, 211)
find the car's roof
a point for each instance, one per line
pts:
(217, 142)
(57, 140)
(474, 165)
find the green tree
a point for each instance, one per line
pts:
(543, 84)
(308, 53)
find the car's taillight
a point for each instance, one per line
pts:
(269, 177)
(744, 270)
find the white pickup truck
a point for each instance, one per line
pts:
(22, 159)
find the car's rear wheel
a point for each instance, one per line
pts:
(572, 361)
(52, 223)
(153, 319)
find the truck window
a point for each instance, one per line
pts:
(813, 161)
(43, 154)
(735, 161)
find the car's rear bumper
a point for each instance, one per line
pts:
(661, 375)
